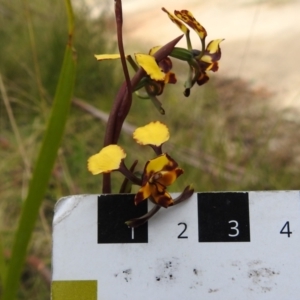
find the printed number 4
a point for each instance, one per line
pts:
(235, 228)
(286, 229)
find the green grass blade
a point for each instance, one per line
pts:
(41, 173)
(43, 168)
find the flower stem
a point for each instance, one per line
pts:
(129, 174)
(119, 21)
(126, 185)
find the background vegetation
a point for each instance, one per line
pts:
(225, 136)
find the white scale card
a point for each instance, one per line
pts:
(222, 245)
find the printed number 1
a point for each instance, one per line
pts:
(235, 228)
(287, 227)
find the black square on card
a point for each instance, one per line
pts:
(113, 212)
(223, 217)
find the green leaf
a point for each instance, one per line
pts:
(45, 161)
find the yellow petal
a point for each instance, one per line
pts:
(181, 26)
(212, 51)
(154, 133)
(107, 160)
(107, 56)
(148, 63)
(188, 18)
(212, 55)
(160, 163)
(207, 59)
(213, 46)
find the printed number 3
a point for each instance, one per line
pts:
(235, 228)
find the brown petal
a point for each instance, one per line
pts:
(165, 200)
(143, 193)
(165, 64)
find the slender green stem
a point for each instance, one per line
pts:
(157, 104)
(188, 41)
(202, 48)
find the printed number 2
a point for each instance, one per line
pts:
(181, 236)
(235, 228)
(286, 229)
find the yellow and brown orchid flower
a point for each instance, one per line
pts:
(154, 86)
(200, 61)
(165, 66)
(158, 74)
(159, 173)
